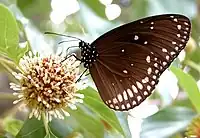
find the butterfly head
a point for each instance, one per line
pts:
(88, 53)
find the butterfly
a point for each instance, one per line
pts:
(126, 62)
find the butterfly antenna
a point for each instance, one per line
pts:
(66, 41)
(63, 35)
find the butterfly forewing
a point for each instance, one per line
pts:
(133, 56)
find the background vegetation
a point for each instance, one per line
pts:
(166, 113)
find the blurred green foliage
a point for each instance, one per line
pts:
(94, 119)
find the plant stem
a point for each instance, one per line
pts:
(45, 121)
(193, 65)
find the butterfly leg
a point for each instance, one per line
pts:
(87, 74)
(70, 47)
(72, 55)
(67, 52)
(81, 75)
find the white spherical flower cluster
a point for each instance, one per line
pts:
(47, 85)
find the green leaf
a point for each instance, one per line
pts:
(92, 127)
(12, 125)
(28, 8)
(188, 83)
(32, 128)
(9, 31)
(166, 122)
(61, 128)
(9, 38)
(183, 103)
(93, 101)
(96, 7)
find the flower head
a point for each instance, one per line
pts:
(193, 130)
(47, 85)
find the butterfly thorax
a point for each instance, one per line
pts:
(88, 54)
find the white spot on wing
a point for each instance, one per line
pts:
(149, 70)
(115, 101)
(153, 83)
(134, 89)
(125, 95)
(145, 80)
(167, 57)
(179, 27)
(148, 59)
(164, 50)
(136, 37)
(125, 71)
(111, 105)
(130, 93)
(148, 87)
(145, 93)
(134, 103)
(116, 107)
(183, 40)
(175, 20)
(119, 96)
(123, 107)
(186, 23)
(128, 105)
(156, 71)
(139, 98)
(172, 53)
(173, 42)
(164, 63)
(176, 48)
(139, 85)
(154, 77)
(156, 65)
